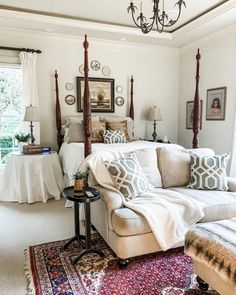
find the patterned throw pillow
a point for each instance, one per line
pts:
(98, 129)
(118, 125)
(114, 136)
(208, 172)
(129, 177)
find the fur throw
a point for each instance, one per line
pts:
(214, 243)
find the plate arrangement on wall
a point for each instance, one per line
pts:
(70, 99)
(120, 101)
(95, 65)
(106, 71)
(69, 86)
(119, 89)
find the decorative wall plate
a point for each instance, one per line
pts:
(95, 65)
(81, 69)
(70, 99)
(106, 71)
(69, 86)
(120, 101)
(119, 89)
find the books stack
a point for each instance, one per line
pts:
(32, 149)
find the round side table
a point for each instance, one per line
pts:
(85, 196)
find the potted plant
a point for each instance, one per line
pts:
(22, 139)
(80, 179)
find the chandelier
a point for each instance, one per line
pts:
(160, 17)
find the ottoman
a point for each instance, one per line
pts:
(212, 247)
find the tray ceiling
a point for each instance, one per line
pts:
(105, 17)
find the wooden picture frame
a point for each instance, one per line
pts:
(189, 114)
(101, 94)
(216, 103)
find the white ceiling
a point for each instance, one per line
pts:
(109, 18)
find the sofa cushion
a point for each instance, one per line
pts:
(128, 176)
(208, 172)
(174, 165)
(147, 159)
(218, 204)
(126, 222)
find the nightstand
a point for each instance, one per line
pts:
(32, 178)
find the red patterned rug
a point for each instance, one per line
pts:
(50, 271)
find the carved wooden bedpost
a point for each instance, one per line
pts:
(87, 105)
(131, 108)
(196, 106)
(58, 113)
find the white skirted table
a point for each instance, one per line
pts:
(31, 178)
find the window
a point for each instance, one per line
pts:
(10, 108)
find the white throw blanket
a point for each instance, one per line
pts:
(169, 214)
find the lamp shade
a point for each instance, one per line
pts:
(154, 114)
(31, 114)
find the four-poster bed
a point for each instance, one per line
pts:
(73, 153)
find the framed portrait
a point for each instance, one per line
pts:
(216, 103)
(189, 114)
(101, 94)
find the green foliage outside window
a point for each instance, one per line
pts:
(10, 108)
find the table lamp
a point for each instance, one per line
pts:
(31, 115)
(154, 114)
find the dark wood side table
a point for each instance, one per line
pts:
(86, 196)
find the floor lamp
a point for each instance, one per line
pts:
(31, 115)
(154, 115)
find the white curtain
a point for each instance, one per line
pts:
(233, 155)
(30, 89)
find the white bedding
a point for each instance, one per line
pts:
(72, 154)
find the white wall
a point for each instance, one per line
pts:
(218, 69)
(155, 70)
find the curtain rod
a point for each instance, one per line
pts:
(20, 49)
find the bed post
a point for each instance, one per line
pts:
(87, 105)
(196, 106)
(131, 108)
(58, 113)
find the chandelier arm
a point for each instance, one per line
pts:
(171, 22)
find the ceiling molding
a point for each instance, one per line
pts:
(87, 20)
(199, 15)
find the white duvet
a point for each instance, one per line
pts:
(72, 154)
(169, 214)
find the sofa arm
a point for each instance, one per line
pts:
(231, 181)
(112, 200)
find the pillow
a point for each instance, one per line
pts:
(73, 129)
(174, 165)
(128, 177)
(130, 123)
(116, 136)
(118, 125)
(209, 172)
(147, 159)
(98, 129)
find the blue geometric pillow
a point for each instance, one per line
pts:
(129, 177)
(208, 172)
(114, 136)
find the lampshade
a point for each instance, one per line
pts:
(31, 114)
(154, 114)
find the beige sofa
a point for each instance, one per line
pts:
(128, 233)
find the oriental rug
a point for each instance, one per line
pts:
(49, 271)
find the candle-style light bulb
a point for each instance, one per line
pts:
(141, 7)
(163, 5)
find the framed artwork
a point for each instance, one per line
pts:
(216, 103)
(189, 114)
(101, 94)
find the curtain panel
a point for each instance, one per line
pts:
(30, 89)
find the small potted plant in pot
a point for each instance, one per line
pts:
(22, 139)
(80, 180)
